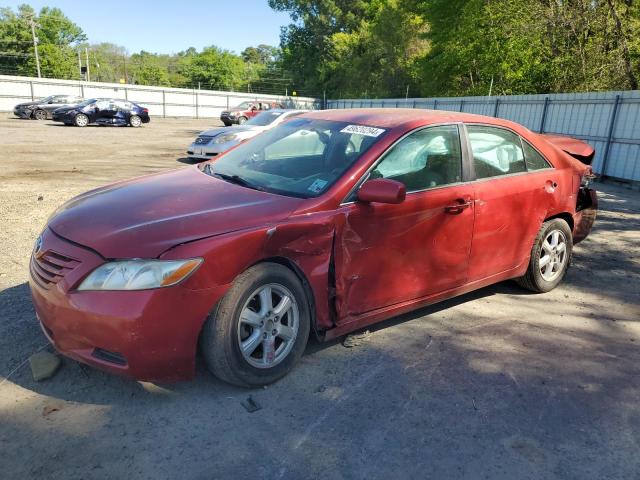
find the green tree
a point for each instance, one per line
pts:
(58, 37)
(215, 68)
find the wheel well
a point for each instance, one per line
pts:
(564, 216)
(285, 262)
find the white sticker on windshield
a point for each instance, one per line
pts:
(317, 186)
(363, 130)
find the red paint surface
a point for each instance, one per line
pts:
(388, 258)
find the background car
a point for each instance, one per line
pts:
(217, 140)
(43, 108)
(245, 111)
(328, 223)
(103, 111)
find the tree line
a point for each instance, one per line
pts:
(63, 48)
(384, 48)
(368, 48)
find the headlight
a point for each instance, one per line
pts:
(225, 138)
(139, 274)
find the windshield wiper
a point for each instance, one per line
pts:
(237, 179)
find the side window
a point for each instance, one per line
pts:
(534, 160)
(102, 105)
(424, 159)
(496, 151)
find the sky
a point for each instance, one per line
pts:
(165, 26)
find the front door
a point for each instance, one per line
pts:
(389, 254)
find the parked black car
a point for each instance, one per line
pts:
(103, 111)
(43, 108)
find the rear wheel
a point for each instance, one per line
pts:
(81, 120)
(550, 257)
(40, 115)
(259, 330)
(241, 120)
(135, 121)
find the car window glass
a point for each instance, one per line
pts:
(534, 160)
(103, 104)
(123, 105)
(300, 143)
(58, 99)
(301, 157)
(496, 151)
(425, 159)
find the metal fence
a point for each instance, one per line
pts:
(161, 101)
(609, 121)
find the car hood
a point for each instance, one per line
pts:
(240, 129)
(65, 109)
(26, 104)
(143, 217)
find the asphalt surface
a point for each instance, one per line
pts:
(499, 383)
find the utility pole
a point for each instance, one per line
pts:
(35, 44)
(80, 64)
(124, 61)
(86, 56)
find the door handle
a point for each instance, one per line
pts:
(458, 207)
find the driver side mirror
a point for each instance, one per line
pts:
(382, 190)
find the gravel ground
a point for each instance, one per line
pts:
(499, 383)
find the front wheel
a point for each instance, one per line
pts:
(40, 115)
(81, 120)
(241, 120)
(135, 121)
(550, 257)
(259, 330)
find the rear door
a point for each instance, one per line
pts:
(389, 254)
(512, 197)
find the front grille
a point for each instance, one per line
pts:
(203, 139)
(50, 267)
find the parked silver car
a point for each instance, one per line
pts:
(217, 140)
(42, 109)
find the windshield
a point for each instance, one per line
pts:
(243, 106)
(264, 118)
(301, 157)
(86, 102)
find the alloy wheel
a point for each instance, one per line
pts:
(553, 255)
(268, 325)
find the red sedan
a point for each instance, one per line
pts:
(330, 222)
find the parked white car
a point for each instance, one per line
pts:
(217, 140)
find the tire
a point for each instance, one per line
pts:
(241, 120)
(224, 333)
(549, 258)
(40, 115)
(81, 120)
(227, 124)
(135, 121)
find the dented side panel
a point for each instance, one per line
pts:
(305, 240)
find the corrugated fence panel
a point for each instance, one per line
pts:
(609, 121)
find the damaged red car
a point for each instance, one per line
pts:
(326, 224)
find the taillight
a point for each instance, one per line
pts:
(145, 110)
(586, 179)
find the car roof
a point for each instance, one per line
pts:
(397, 117)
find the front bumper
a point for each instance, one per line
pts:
(147, 335)
(206, 151)
(63, 117)
(228, 119)
(20, 113)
